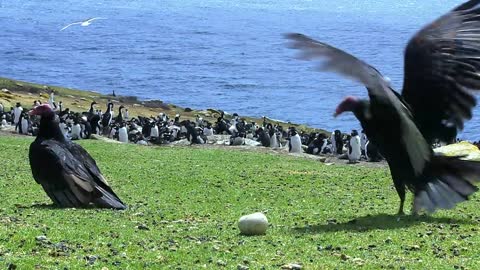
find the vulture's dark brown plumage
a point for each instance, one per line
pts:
(67, 173)
(442, 68)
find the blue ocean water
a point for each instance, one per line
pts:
(220, 54)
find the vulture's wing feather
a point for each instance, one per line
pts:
(442, 66)
(336, 60)
(101, 185)
(71, 180)
(386, 99)
(64, 181)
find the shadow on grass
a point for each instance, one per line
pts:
(52, 206)
(378, 222)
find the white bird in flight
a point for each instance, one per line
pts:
(83, 23)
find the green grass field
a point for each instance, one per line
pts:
(184, 204)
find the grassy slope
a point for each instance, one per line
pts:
(191, 198)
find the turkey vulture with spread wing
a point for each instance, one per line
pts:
(67, 173)
(442, 67)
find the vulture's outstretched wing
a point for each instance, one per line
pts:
(335, 60)
(442, 65)
(386, 100)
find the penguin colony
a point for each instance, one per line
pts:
(115, 123)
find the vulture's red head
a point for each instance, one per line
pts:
(42, 110)
(347, 105)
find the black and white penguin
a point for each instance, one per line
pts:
(334, 143)
(113, 132)
(107, 119)
(363, 141)
(208, 130)
(154, 133)
(174, 130)
(192, 134)
(16, 114)
(86, 127)
(237, 140)
(76, 130)
(273, 136)
(119, 118)
(91, 111)
(263, 137)
(51, 100)
(354, 150)
(123, 133)
(295, 144)
(338, 142)
(4, 122)
(63, 127)
(24, 123)
(199, 120)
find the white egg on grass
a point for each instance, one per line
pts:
(253, 224)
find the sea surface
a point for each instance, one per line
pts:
(223, 54)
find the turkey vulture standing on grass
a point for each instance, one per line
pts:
(67, 173)
(442, 65)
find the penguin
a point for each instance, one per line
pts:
(237, 140)
(173, 133)
(113, 132)
(76, 130)
(192, 134)
(263, 137)
(147, 128)
(154, 131)
(91, 111)
(63, 127)
(23, 127)
(273, 140)
(334, 143)
(127, 116)
(338, 142)
(177, 119)
(363, 142)
(295, 144)
(4, 121)
(141, 140)
(199, 120)
(233, 128)
(64, 114)
(354, 150)
(51, 100)
(123, 134)
(107, 119)
(16, 114)
(323, 143)
(119, 118)
(86, 127)
(208, 130)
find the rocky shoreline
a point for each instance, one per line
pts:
(12, 91)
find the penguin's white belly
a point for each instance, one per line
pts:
(123, 135)
(355, 152)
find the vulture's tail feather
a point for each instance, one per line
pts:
(108, 200)
(449, 181)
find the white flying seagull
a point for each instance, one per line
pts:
(83, 23)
